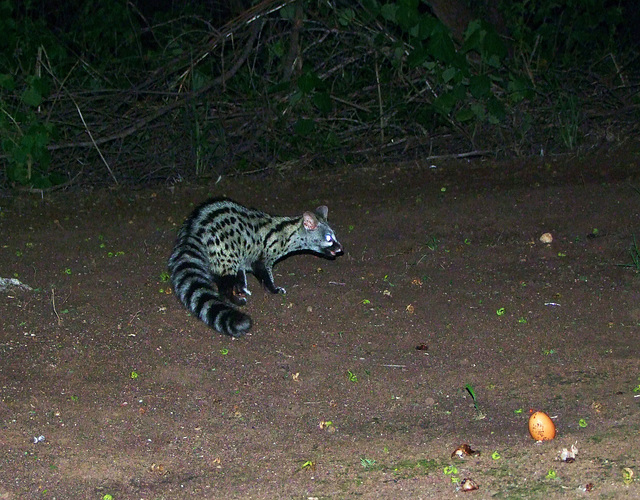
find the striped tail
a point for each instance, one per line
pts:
(192, 284)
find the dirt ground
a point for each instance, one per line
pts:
(353, 385)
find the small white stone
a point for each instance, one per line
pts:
(546, 238)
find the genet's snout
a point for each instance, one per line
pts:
(335, 249)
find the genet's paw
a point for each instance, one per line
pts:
(239, 295)
(239, 300)
(235, 296)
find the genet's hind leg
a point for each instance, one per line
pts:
(234, 288)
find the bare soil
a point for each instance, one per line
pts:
(353, 384)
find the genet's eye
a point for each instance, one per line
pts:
(328, 237)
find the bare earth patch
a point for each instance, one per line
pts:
(353, 384)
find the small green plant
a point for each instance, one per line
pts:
(352, 376)
(432, 243)
(634, 253)
(367, 463)
(26, 134)
(479, 414)
(471, 392)
(569, 121)
(452, 471)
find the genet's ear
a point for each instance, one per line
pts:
(310, 221)
(323, 212)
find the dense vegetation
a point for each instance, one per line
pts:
(133, 92)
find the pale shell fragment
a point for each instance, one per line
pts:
(546, 238)
(468, 485)
(569, 455)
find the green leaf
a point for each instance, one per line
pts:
(469, 389)
(40, 85)
(449, 74)
(322, 101)
(371, 7)
(496, 110)
(198, 80)
(493, 45)
(41, 182)
(473, 29)
(277, 48)
(519, 88)
(479, 86)
(465, 114)
(288, 12)
(424, 28)
(308, 82)
(304, 127)
(7, 82)
(417, 56)
(388, 12)
(440, 44)
(17, 173)
(279, 87)
(477, 108)
(473, 37)
(56, 178)
(407, 15)
(346, 16)
(482, 37)
(444, 103)
(31, 97)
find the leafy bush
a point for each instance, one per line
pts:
(294, 83)
(564, 33)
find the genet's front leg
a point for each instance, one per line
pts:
(241, 287)
(264, 273)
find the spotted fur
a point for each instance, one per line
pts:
(222, 240)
